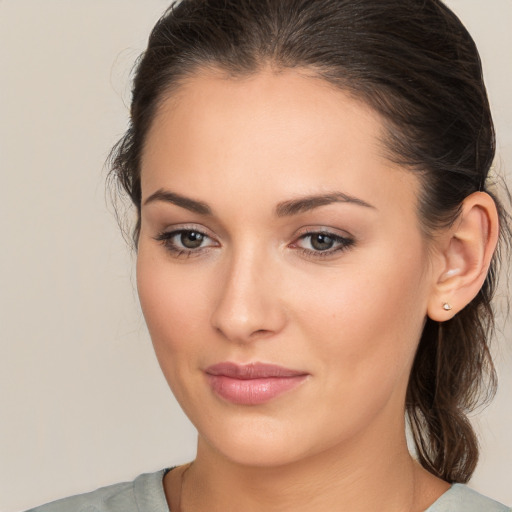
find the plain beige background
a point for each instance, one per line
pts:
(82, 401)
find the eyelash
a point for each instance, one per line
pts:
(166, 238)
(344, 243)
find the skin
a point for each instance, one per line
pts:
(252, 292)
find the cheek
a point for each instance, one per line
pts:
(172, 303)
(367, 321)
(174, 309)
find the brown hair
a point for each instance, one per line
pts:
(413, 62)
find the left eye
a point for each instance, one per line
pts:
(323, 242)
(190, 239)
(185, 240)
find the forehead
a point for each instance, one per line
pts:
(286, 133)
(294, 105)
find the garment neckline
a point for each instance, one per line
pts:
(161, 492)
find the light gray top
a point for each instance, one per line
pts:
(146, 494)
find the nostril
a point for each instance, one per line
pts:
(261, 332)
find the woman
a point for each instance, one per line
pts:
(317, 248)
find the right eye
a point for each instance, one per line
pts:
(185, 242)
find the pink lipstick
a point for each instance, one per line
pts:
(252, 384)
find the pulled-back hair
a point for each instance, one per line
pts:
(415, 64)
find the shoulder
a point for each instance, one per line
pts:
(460, 498)
(144, 493)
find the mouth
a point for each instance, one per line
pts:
(252, 384)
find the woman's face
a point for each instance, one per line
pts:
(275, 232)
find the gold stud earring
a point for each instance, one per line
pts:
(446, 306)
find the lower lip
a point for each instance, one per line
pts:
(252, 391)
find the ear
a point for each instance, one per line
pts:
(465, 251)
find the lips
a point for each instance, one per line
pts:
(252, 384)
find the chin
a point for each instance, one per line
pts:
(257, 452)
(258, 441)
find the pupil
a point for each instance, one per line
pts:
(191, 239)
(322, 242)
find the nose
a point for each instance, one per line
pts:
(249, 305)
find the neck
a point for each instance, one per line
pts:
(365, 474)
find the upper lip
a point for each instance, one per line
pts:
(251, 371)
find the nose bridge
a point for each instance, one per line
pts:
(248, 303)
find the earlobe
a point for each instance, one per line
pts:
(465, 250)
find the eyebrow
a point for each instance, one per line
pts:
(185, 202)
(304, 204)
(283, 209)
